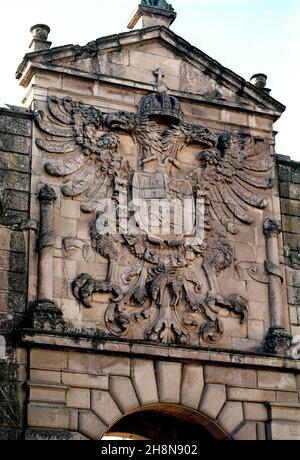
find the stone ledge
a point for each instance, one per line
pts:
(232, 357)
(37, 66)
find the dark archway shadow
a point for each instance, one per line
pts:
(168, 423)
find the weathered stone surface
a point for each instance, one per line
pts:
(192, 386)
(14, 181)
(78, 398)
(53, 435)
(291, 224)
(276, 380)
(287, 397)
(48, 416)
(105, 407)
(103, 387)
(44, 359)
(18, 144)
(47, 393)
(255, 412)
(247, 432)
(286, 412)
(288, 190)
(17, 242)
(85, 380)
(115, 365)
(91, 426)
(169, 381)
(14, 162)
(124, 393)
(144, 380)
(15, 125)
(16, 200)
(285, 431)
(230, 376)
(213, 399)
(290, 207)
(82, 362)
(247, 394)
(45, 376)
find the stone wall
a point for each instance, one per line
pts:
(289, 178)
(15, 173)
(83, 393)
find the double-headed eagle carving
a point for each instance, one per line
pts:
(167, 284)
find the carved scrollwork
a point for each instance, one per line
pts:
(171, 291)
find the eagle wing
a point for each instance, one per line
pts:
(88, 155)
(231, 178)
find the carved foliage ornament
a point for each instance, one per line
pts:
(169, 283)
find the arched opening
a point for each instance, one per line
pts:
(168, 423)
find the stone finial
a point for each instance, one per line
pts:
(40, 33)
(260, 81)
(153, 13)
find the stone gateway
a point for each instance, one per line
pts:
(149, 246)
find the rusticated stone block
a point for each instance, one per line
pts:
(17, 262)
(123, 393)
(230, 376)
(255, 412)
(83, 362)
(290, 207)
(44, 376)
(91, 426)
(192, 386)
(249, 394)
(76, 380)
(44, 359)
(169, 381)
(14, 162)
(17, 242)
(213, 399)
(18, 144)
(49, 416)
(231, 416)
(78, 398)
(285, 431)
(15, 200)
(15, 181)
(53, 435)
(247, 432)
(287, 397)
(16, 282)
(115, 365)
(47, 393)
(144, 380)
(105, 407)
(5, 238)
(15, 124)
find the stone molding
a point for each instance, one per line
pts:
(126, 348)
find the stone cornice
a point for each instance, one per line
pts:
(118, 81)
(138, 348)
(178, 45)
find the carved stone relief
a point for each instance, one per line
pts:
(164, 282)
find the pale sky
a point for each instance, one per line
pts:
(247, 36)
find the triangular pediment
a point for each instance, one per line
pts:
(133, 56)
